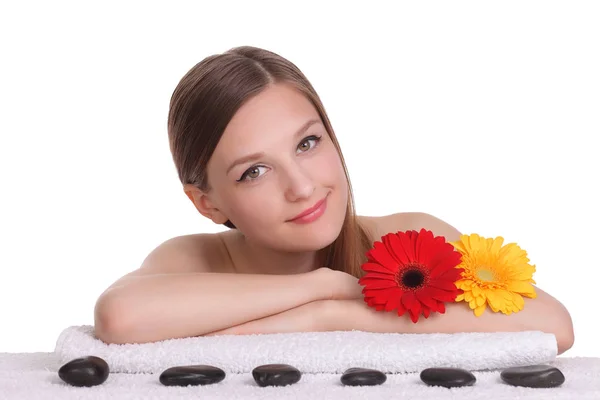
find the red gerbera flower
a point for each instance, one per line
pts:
(411, 271)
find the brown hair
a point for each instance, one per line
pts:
(206, 99)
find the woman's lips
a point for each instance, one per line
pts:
(312, 213)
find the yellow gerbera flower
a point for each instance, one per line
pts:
(493, 274)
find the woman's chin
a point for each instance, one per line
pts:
(318, 234)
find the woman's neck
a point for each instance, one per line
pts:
(252, 258)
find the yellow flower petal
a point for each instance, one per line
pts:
(518, 301)
(480, 301)
(522, 273)
(520, 287)
(494, 274)
(475, 241)
(496, 245)
(504, 294)
(467, 283)
(479, 310)
(458, 245)
(468, 296)
(530, 295)
(496, 302)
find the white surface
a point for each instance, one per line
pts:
(484, 114)
(34, 376)
(316, 352)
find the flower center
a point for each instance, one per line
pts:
(412, 278)
(485, 275)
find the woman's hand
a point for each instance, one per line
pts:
(340, 285)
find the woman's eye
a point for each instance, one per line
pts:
(316, 139)
(252, 173)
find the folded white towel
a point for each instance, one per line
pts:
(317, 352)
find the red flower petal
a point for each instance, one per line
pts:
(391, 250)
(408, 298)
(377, 275)
(414, 311)
(418, 243)
(393, 243)
(380, 283)
(408, 246)
(441, 295)
(453, 274)
(371, 302)
(443, 262)
(441, 308)
(377, 268)
(442, 284)
(426, 312)
(432, 247)
(436, 259)
(380, 255)
(424, 297)
(380, 295)
(394, 300)
(401, 309)
(423, 246)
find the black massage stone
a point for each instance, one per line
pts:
(533, 376)
(191, 375)
(447, 377)
(84, 371)
(363, 377)
(276, 375)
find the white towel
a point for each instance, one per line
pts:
(33, 376)
(317, 352)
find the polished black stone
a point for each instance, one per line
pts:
(276, 375)
(447, 377)
(533, 376)
(191, 375)
(84, 371)
(363, 377)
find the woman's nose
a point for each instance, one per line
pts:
(298, 183)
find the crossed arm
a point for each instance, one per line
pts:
(542, 314)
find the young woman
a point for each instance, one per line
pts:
(255, 151)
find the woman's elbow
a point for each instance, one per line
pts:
(564, 342)
(565, 335)
(553, 317)
(107, 318)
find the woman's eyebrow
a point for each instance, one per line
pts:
(255, 156)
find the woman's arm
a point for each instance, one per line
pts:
(544, 313)
(163, 300)
(308, 317)
(541, 314)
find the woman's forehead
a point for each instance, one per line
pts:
(269, 122)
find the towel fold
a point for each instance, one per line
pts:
(318, 352)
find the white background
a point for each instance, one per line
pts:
(484, 114)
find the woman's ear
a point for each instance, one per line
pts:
(204, 204)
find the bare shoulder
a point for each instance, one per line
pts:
(201, 252)
(404, 221)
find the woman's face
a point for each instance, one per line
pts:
(297, 167)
